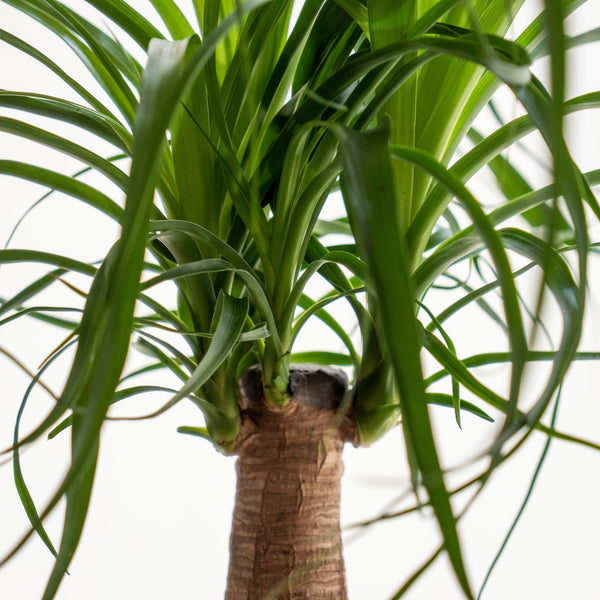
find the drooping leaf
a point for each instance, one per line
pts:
(368, 187)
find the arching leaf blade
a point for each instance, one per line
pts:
(223, 418)
(14, 255)
(51, 140)
(22, 489)
(368, 188)
(103, 125)
(62, 183)
(244, 270)
(121, 13)
(23, 46)
(484, 228)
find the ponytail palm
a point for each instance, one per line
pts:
(240, 124)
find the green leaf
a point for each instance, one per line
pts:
(103, 125)
(345, 259)
(485, 229)
(40, 313)
(456, 400)
(368, 188)
(22, 490)
(223, 419)
(10, 255)
(47, 62)
(209, 265)
(63, 183)
(469, 164)
(244, 271)
(87, 42)
(59, 409)
(356, 70)
(140, 29)
(331, 25)
(450, 402)
(317, 309)
(173, 18)
(389, 22)
(26, 131)
(320, 357)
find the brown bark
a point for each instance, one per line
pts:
(285, 539)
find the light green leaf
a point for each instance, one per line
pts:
(173, 18)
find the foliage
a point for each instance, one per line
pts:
(240, 126)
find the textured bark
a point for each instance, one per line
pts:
(285, 539)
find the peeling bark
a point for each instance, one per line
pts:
(285, 539)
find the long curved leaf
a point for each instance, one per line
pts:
(62, 183)
(373, 215)
(98, 123)
(36, 134)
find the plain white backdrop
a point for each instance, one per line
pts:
(158, 525)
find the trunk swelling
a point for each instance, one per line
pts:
(285, 539)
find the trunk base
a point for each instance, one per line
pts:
(285, 539)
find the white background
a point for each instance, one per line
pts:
(159, 520)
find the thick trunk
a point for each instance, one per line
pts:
(285, 539)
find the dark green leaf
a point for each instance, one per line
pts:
(368, 187)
